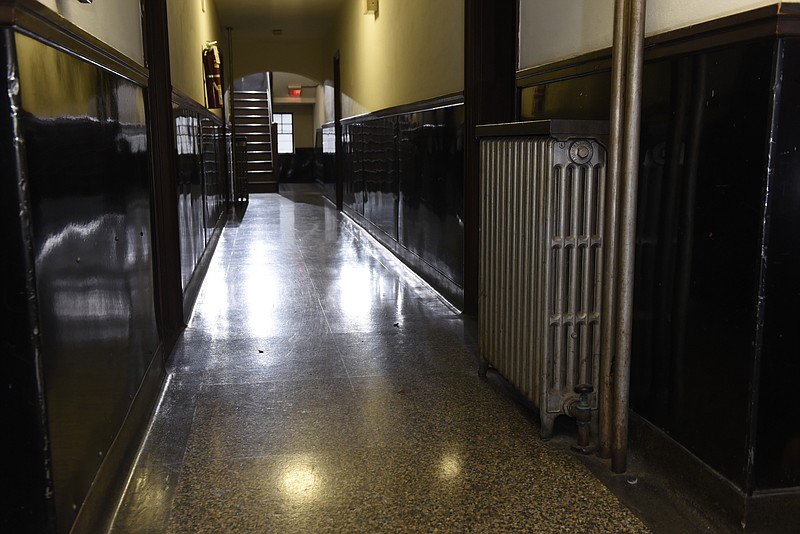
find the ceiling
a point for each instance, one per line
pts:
(298, 19)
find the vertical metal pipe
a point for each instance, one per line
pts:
(618, 59)
(229, 118)
(231, 77)
(627, 236)
(229, 36)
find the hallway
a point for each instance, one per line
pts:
(321, 387)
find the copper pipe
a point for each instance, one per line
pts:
(229, 112)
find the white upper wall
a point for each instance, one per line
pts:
(551, 30)
(117, 23)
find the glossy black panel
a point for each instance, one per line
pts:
(777, 459)
(201, 182)
(705, 124)
(87, 162)
(381, 179)
(353, 167)
(587, 97)
(191, 209)
(431, 166)
(214, 173)
(299, 167)
(698, 243)
(405, 174)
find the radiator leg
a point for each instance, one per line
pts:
(483, 368)
(547, 422)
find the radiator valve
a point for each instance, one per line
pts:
(581, 409)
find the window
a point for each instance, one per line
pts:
(285, 132)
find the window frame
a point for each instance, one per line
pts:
(284, 134)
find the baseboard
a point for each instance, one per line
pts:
(775, 512)
(262, 187)
(708, 492)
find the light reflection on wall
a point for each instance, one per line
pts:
(79, 232)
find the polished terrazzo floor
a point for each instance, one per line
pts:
(321, 387)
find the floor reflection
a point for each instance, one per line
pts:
(322, 387)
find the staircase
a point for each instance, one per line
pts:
(252, 116)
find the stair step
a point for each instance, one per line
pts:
(262, 134)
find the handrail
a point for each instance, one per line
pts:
(269, 96)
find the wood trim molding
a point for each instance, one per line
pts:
(423, 105)
(414, 107)
(779, 20)
(37, 21)
(186, 101)
(770, 21)
(590, 63)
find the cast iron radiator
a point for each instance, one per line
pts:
(541, 265)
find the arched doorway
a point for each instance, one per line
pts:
(277, 119)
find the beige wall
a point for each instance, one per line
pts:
(117, 23)
(551, 30)
(321, 107)
(413, 51)
(189, 29)
(304, 57)
(302, 122)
